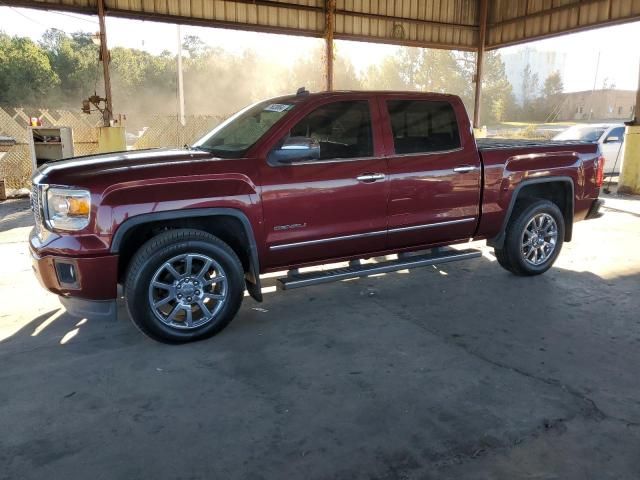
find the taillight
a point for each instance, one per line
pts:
(600, 171)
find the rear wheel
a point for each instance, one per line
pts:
(184, 285)
(534, 238)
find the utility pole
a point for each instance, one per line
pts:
(636, 116)
(330, 7)
(106, 59)
(595, 79)
(180, 79)
(479, 62)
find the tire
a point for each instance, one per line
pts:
(194, 301)
(533, 239)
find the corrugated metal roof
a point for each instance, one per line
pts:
(448, 24)
(517, 21)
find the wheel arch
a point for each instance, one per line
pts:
(559, 190)
(230, 225)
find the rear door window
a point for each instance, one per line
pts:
(423, 126)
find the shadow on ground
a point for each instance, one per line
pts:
(462, 371)
(15, 213)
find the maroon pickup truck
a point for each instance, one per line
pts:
(296, 181)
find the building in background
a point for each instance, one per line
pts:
(597, 105)
(541, 63)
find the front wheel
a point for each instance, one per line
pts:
(533, 239)
(183, 285)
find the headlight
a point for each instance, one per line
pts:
(68, 209)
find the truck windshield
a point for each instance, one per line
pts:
(233, 137)
(581, 132)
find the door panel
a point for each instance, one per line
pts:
(327, 208)
(320, 204)
(434, 179)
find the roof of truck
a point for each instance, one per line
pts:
(338, 93)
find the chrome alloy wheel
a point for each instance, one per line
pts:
(188, 291)
(539, 239)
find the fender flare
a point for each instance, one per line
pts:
(498, 240)
(253, 277)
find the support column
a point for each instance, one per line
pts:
(629, 182)
(330, 7)
(479, 61)
(106, 59)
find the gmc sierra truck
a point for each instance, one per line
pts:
(296, 181)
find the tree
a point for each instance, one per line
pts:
(310, 72)
(195, 46)
(547, 104)
(143, 82)
(74, 58)
(26, 76)
(530, 86)
(553, 85)
(420, 69)
(497, 101)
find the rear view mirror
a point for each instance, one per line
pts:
(612, 140)
(296, 149)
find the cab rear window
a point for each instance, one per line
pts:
(423, 126)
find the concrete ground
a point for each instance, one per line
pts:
(461, 371)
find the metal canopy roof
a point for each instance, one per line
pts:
(450, 24)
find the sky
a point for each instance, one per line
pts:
(619, 46)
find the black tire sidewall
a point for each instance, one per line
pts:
(137, 291)
(514, 237)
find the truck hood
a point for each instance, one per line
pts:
(88, 170)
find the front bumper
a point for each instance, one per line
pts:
(94, 278)
(87, 286)
(94, 309)
(594, 210)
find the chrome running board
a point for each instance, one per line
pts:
(405, 261)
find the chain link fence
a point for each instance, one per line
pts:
(168, 131)
(142, 131)
(16, 164)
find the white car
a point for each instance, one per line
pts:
(608, 135)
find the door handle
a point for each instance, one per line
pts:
(464, 169)
(370, 177)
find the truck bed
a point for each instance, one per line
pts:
(499, 143)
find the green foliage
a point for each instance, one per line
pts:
(143, 82)
(64, 69)
(74, 58)
(541, 104)
(26, 74)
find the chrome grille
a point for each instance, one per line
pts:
(36, 207)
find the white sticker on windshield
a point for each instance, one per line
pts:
(277, 107)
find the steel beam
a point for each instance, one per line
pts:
(479, 61)
(330, 7)
(629, 181)
(106, 60)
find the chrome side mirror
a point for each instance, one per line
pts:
(296, 149)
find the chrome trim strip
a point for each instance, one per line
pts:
(326, 240)
(368, 234)
(431, 225)
(321, 162)
(422, 154)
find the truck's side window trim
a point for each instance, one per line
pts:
(423, 127)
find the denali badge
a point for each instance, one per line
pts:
(279, 228)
